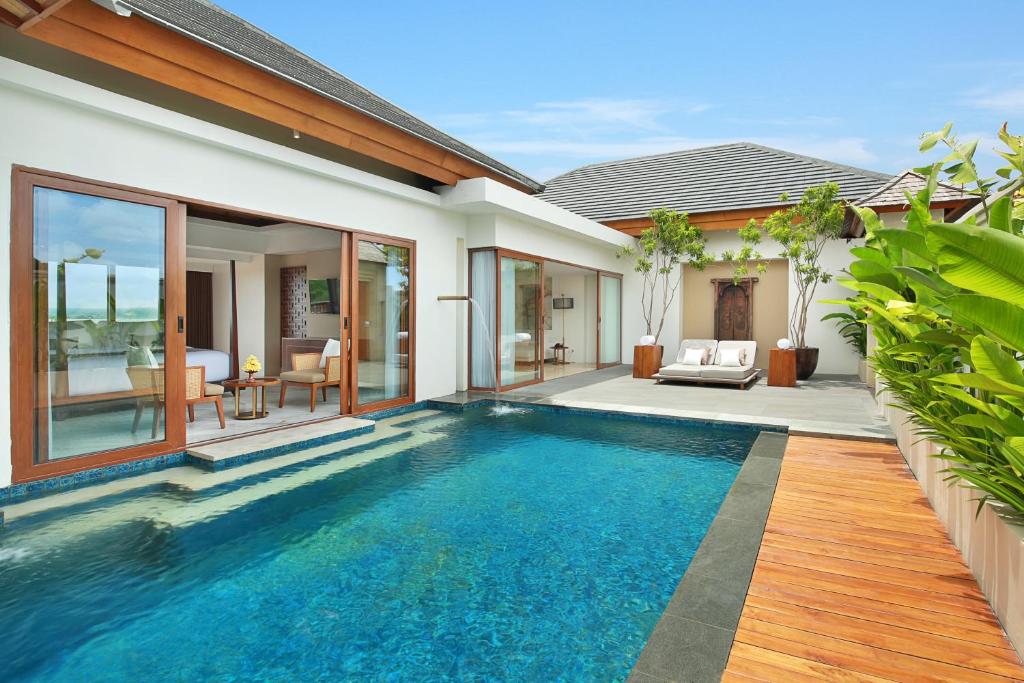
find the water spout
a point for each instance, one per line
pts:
(480, 311)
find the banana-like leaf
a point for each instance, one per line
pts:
(872, 271)
(943, 337)
(869, 254)
(927, 278)
(980, 259)
(911, 241)
(999, 214)
(991, 360)
(975, 380)
(1002, 320)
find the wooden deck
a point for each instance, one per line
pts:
(856, 580)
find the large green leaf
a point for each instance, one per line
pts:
(992, 360)
(911, 241)
(980, 259)
(999, 214)
(869, 254)
(976, 380)
(1002, 320)
(872, 271)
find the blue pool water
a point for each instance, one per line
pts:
(522, 545)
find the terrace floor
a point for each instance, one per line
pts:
(856, 580)
(826, 405)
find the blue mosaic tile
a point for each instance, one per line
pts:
(67, 482)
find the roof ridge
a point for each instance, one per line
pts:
(650, 156)
(832, 164)
(895, 180)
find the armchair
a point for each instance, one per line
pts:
(306, 371)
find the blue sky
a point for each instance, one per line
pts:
(549, 86)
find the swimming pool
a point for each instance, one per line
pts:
(508, 544)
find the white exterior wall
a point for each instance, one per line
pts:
(68, 127)
(835, 355)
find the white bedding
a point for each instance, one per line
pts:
(106, 373)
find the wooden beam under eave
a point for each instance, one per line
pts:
(10, 18)
(43, 14)
(143, 48)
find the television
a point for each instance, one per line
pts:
(325, 295)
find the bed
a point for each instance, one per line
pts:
(105, 373)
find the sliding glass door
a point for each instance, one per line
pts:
(383, 313)
(609, 330)
(520, 323)
(97, 335)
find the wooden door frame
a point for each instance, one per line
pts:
(354, 327)
(22, 333)
(745, 283)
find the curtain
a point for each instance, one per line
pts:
(482, 365)
(508, 321)
(394, 305)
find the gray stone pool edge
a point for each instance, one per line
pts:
(693, 637)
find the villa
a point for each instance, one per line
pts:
(194, 204)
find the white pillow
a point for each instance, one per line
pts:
(331, 348)
(732, 358)
(693, 357)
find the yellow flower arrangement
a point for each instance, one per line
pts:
(252, 365)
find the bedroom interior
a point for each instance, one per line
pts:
(271, 290)
(570, 320)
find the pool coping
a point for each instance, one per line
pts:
(693, 637)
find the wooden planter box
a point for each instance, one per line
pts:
(991, 547)
(646, 361)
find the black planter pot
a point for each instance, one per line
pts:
(806, 362)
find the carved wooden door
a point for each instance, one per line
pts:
(733, 312)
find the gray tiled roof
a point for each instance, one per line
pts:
(740, 175)
(218, 28)
(892, 193)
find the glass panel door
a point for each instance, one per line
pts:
(610, 320)
(520, 321)
(101, 371)
(382, 334)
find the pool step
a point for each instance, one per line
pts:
(231, 452)
(201, 478)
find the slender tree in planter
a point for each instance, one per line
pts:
(658, 256)
(803, 231)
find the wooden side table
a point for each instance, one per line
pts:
(560, 350)
(782, 368)
(259, 395)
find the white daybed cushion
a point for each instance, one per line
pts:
(720, 372)
(709, 344)
(732, 358)
(749, 348)
(695, 357)
(331, 348)
(680, 370)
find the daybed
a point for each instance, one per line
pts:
(712, 370)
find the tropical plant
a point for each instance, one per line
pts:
(851, 326)
(946, 305)
(658, 256)
(803, 231)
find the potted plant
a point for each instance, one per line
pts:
(803, 231)
(658, 256)
(252, 366)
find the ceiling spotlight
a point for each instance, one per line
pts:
(295, 134)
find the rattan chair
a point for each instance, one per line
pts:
(198, 391)
(148, 388)
(306, 371)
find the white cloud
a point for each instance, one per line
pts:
(1006, 102)
(588, 115)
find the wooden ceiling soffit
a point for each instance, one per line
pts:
(159, 54)
(23, 14)
(709, 220)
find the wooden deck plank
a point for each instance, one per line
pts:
(856, 580)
